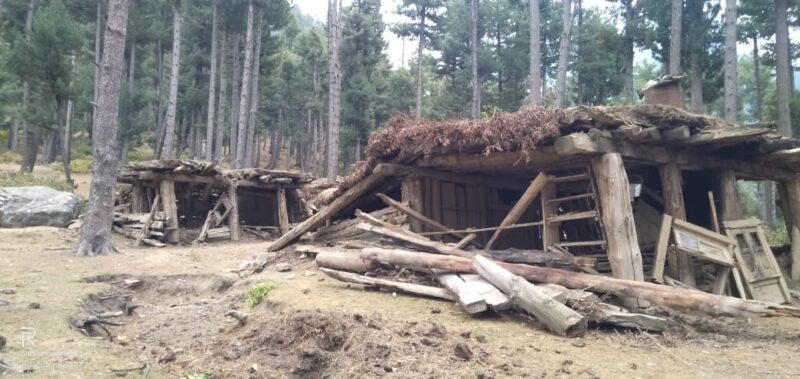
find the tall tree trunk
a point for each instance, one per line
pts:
(96, 231)
(629, 92)
(675, 38)
(244, 98)
(66, 150)
(335, 88)
(731, 105)
(420, 50)
(212, 83)
(277, 133)
(98, 41)
(758, 82)
(252, 119)
(235, 92)
(535, 75)
(159, 55)
(696, 78)
(476, 80)
(782, 67)
(223, 83)
(31, 134)
(172, 104)
(124, 136)
(13, 136)
(563, 55)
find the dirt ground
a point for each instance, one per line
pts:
(313, 326)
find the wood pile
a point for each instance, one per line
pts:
(147, 228)
(555, 289)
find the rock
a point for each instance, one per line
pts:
(2, 342)
(283, 267)
(37, 206)
(3, 303)
(8, 291)
(34, 305)
(291, 276)
(463, 352)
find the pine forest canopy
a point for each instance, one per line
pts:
(246, 81)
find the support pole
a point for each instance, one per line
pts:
(170, 205)
(520, 207)
(791, 190)
(233, 217)
(680, 265)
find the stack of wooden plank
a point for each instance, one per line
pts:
(133, 225)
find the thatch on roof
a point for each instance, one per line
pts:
(211, 169)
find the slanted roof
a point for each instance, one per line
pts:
(209, 172)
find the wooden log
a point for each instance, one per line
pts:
(170, 205)
(471, 301)
(137, 195)
(557, 317)
(677, 134)
(414, 239)
(614, 198)
(421, 217)
(482, 230)
(148, 222)
(680, 264)
(713, 206)
(790, 190)
(379, 174)
(729, 196)
(466, 241)
(520, 207)
(283, 212)
(411, 192)
(134, 236)
(434, 292)
(233, 213)
(691, 300)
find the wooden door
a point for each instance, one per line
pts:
(762, 275)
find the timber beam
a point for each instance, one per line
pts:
(577, 144)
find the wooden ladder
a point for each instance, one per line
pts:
(574, 204)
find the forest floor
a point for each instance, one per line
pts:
(313, 326)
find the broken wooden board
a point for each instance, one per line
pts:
(470, 300)
(495, 299)
(762, 275)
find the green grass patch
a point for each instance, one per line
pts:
(259, 292)
(777, 234)
(77, 166)
(10, 157)
(16, 179)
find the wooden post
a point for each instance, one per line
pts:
(790, 190)
(729, 196)
(680, 265)
(170, 205)
(614, 197)
(520, 207)
(233, 217)
(136, 198)
(283, 213)
(411, 192)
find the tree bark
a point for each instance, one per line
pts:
(223, 83)
(696, 78)
(172, 104)
(759, 84)
(244, 96)
(98, 41)
(96, 232)
(563, 55)
(629, 92)
(66, 150)
(235, 92)
(31, 135)
(782, 68)
(335, 89)
(251, 146)
(675, 38)
(476, 80)
(212, 87)
(159, 55)
(275, 141)
(731, 104)
(420, 50)
(535, 75)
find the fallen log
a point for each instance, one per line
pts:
(396, 233)
(370, 258)
(557, 317)
(134, 236)
(428, 291)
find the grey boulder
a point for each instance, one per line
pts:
(36, 206)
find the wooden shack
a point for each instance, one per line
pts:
(587, 181)
(198, 200)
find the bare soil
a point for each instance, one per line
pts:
(313, 326)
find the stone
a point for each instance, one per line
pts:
(283, 267)
(37, 206)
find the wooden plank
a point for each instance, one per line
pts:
(661, 249)
(494, 298)
(283, 212)
(137, 197)
(419, 216)
(470, 301)
(148, 222)
(680, 265)
(411, 193)
(550, 231)
(614, 198)
(729, 196)
(379, 174)
(434, 292)
(414, 239)
(572, 217)
(724, 136)
(233, 213)
(466, 240)
(560, 319)
(170, 205)
(521, 206)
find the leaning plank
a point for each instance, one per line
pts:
(148, 222)
(419, 216)
(556, 316)
(520, 207)
(414, 239)
(133, 236)
(471, 301)
(435, 292)
(380, 173)
(494, 298)
(370, 258)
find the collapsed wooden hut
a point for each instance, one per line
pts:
(174, 200)
(647, 193)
